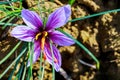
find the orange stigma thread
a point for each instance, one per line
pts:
(44, 57)
(55, 60)
(43, 39)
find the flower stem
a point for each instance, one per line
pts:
(64, 74)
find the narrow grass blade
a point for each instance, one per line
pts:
(1, 75)
(6, 6)
(24, 73)
(8, 22)
(29, 74)
(10, 77)
(30, 47)
(5, 2)
(30, 54)
(14, 12)
(93, 15)
(10, 4)
(5, 18)
(83, 47)
(43, 70)
(52, 0)
(22, 67)
(20, 5)
(8, 16)
(10, 53)
(41, 56)
(53, 70)
(71, 2)
(24, 46)
(20, 72)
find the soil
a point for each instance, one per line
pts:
(99, 34)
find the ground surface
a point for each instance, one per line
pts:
(99, 34)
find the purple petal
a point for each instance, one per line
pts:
(60, 39)
(32, 19)
(23, 33)
(59, 17)
(36, 53)
(37, 50)
(57, 56)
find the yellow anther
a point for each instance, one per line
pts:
(37, 36)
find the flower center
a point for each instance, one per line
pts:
(44, 34)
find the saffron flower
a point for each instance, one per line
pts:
(41, 34)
